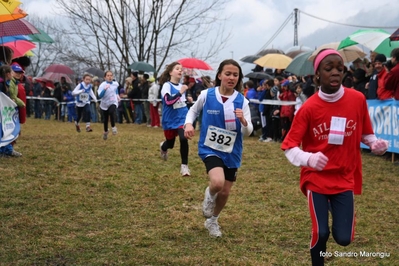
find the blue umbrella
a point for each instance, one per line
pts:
(300, 65)
(7, 39)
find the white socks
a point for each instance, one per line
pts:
(212, 197)
(214, 218)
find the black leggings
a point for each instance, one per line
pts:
(343, 222)
(85, 112)
(110, 113)
(170, 143)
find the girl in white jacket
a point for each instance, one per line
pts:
(108, 93)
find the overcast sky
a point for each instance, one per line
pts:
(254, 22)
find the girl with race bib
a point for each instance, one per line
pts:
(226, 118)
(174, 111)
(329, 128)
(84, 93)
(108, 93)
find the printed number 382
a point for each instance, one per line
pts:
(220, 139)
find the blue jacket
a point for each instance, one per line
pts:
(70, 99)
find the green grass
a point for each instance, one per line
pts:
(75, 199)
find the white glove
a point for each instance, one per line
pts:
(379, 147)
(317, 161)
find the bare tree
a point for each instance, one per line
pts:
(111, 34)
(52, 53)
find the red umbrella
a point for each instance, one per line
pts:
(394, 36)
(194, 63)
(56, 77)
(59, 68)
(20, 47)
(49, 83)
(17, 27)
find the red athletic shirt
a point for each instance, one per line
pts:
(311, 127)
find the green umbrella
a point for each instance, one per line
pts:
(41, 37)
(300, 65)
(386, 47)
(142, 66)
(346, 42)
(376, 40)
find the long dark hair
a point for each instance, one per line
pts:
(6, 54)
(4, 70)
(220, 69)
(165, 76)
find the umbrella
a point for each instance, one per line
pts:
(17, 27)
(376, 40)
(258, 75)
(300, 65)
(14, 38)
(250, 58)
(20, 47)
(59, 68)
(142, 66)
(29, 53)
(41, 37)
(49, 83)
(95, 72)
(278, 61)
(194, 63)
(9, 6)
(270, 51)
(56, 77)
(349, 54)
(296, 50)
(395, 36)
(9, 10)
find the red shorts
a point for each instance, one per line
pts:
(171, 133)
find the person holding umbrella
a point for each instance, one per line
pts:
(330, 156)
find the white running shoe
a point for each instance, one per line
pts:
(267, 140)
(213, 228)
(208, 205)
(184, 171)
(105, 135)
(114, 131)
(14, 153)
(164, 154)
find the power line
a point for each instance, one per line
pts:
(350, 25)
(277, 32)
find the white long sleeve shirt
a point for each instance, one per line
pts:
(195, 110)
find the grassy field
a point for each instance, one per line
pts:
(75, 199)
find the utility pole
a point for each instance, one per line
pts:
(232, 54)
(296, 27)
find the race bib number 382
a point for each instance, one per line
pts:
(220, 139)
(84, 97)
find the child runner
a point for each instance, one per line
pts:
(226, 118)
(70, 103)
(108, 93)
(330, 156)
(84, 92)
(174, 113)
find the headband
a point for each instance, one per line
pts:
(321, 55)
